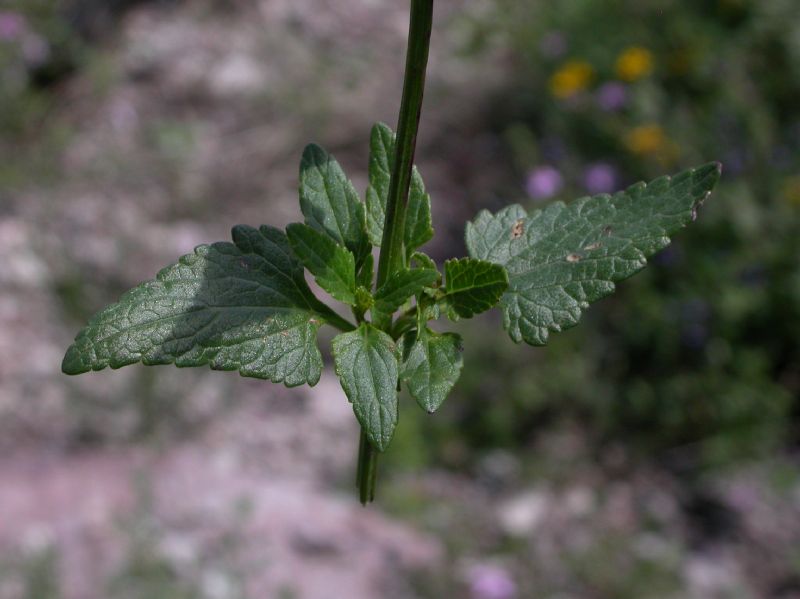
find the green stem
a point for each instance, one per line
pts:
(392, 257)
(333, 319)
(367, 470)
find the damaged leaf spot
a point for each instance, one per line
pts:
(593, 246)
(518, 229)
(574, 258)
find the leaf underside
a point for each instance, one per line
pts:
(235, 306)
(563, 257)
(366, 364)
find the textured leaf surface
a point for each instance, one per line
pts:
(366, 364)
(333, 266)
(563, 257)
(418, 226)
(473, 286)
(330, 203)
(401, 286)
(235, 306)
(431, 366)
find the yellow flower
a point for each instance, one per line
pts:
(790, 190)
(573, 77)
(647, 139)
(650, 140)
(634, 63)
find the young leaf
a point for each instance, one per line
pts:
(364, 301)
(473, 286)
(330, 202)
(332, 265)
(367, 272)
(423, 261)
(418, 228)
(419, 224)
(243, 306)
(366, 364)
(381, 155)
(401, 286)
(563, 257)
(431, 366)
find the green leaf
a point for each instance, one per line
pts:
(419, 225)
(243, 306)
(401, 286)
(330, 203)
(473, 286)
(381, 156)
(366, 364)
(367, 272)
(423, 261)
(563, 257)
(431, 366)
(333, 266)
(418, 228)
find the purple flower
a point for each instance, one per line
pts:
(600, 177)
(736, 161)
(612, 96)
(554, 44)
(491, 582)
(12, 25)
(544, 182)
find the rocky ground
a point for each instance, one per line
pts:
(191, 119)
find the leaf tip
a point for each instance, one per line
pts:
(73, 363)
(313, 155)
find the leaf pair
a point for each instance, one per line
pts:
(370, 367)
(246, 306)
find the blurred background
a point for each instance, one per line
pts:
(652, 452)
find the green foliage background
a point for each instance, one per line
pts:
(696, 360)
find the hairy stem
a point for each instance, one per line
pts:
(392, 256)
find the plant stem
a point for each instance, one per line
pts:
(367, 470)
(392, 256)
(332, 318)
(338, 322)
